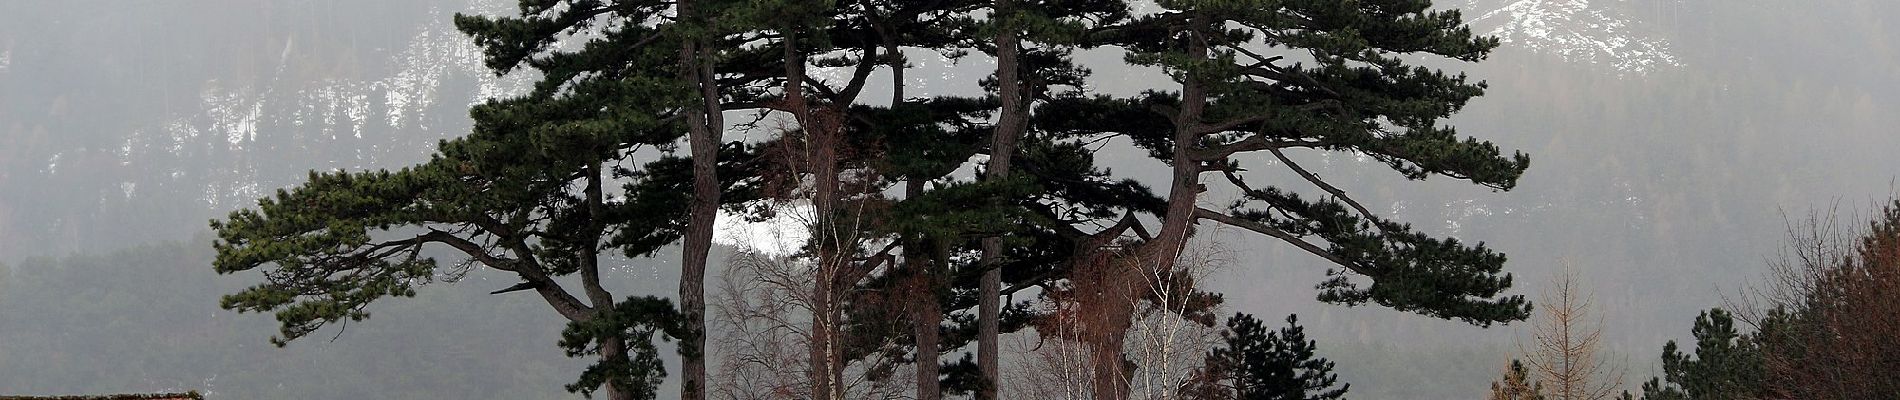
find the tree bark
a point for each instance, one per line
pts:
(1118, 294)
(1185, 188)
(820, 344)
(821, 156)
(613, 347)
(929, 317)
(705, 124)
(1009, 128)
(1111, 378)
(1104, 290)
(926, 314)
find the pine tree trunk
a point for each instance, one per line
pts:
(613, 349)
(926, 314)
(820, 344)
(1009, 128)
(1185, 188)
(705, 209)
(613, 346)
(1110, 380)
(929, 317)
(1105, 293)
(704, 126)
(821, 145)
(826, 368)
(1118, 292)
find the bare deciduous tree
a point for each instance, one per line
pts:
(1567, 343)
(1829, 315)
(1162, 326)
(764, 311)
(1176, 322)
(756, 312)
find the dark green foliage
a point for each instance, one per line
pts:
(1725, 364)
(528, 191)
(918, 141)
(531, 190)
(325, 226)
(1411, 271)
(961, 377)
(926, 138)
(1256, 364)
(1356, 94)
(635, 320)
(505, 187)
(1516, 384)
(922, 142)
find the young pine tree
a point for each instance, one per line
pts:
(1239, 98)
(1257, 364)
(1516, 384)
(1724, 365)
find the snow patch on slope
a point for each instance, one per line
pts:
(781, 234)
(1595, 32)
(388, 115)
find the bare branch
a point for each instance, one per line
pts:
(1204, 213)
(1310, 177)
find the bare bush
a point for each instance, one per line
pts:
(1156, 325)
(1829, 314)
(763, 311)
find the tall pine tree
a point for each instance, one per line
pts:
(1241, 98)
(1032, 42)
(543, 185)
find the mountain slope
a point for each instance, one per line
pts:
(1595, 32)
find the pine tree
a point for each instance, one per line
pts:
(918, 142)
(1516, 384)
(926, 141)
(527, 192)
(1257, 364)
(1725, 364)
(1357, 95)
(1032, 41)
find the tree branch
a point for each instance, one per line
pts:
(1310, 177)
(563, 302)
(1204, 213)
(1258, 141)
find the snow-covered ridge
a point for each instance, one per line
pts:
(390, 116)
(1586, 31)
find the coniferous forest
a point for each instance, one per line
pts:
(998, 199)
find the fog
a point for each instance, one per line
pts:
(1665, 168)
